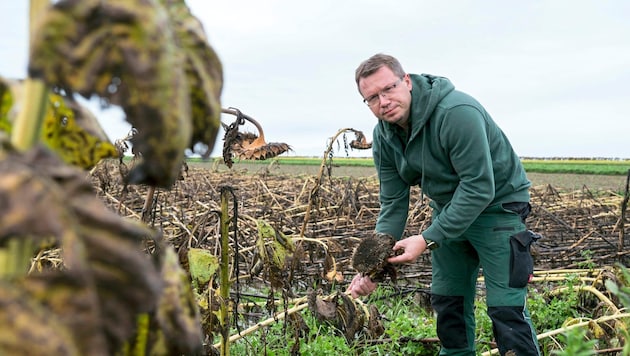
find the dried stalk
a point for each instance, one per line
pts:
(15, 257)
(622, 212)
(225, 278)
(302, 305)
(563, 330)
(318, 180)
(593, 290)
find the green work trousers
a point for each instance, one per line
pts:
(489, 243)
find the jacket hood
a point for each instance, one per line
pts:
(427, 91)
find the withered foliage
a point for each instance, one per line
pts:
(360, 141)
(344, 313)
(247, 145)
(68, 128)
(91, 304)
(151, 58)
(343, 215)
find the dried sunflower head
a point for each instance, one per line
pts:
(370, 256)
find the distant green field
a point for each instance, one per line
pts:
(573, 166)
(606, 167)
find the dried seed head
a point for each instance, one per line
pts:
(370, 256)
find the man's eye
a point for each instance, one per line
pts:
(388, 89)
(372, 98)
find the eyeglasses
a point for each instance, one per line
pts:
(385, 93)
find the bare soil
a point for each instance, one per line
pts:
(565, 182)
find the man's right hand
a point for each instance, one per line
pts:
(412, 247)
(360, 286)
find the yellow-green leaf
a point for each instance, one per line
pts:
(273, 246)
(203, 265)
(74, 134)
(69, 129)
(6, 104)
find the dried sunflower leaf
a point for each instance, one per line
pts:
(30, 329)
(203, 71)
(42, 198)
(126, 52)
(177, 312)
(7, 98)
(73, 132)
(70, 298)
(273, 246)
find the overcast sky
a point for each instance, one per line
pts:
(555, 75)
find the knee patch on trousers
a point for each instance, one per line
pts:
(451, 326)
(512, 331)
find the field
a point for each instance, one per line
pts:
(293, 231)
(557, 174)
(252, 260)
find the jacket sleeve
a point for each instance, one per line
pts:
(464, 136)
(393, 193)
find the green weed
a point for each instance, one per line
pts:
(410, 327)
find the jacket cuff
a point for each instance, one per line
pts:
(433, 233)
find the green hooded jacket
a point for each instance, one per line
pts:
(456, 153)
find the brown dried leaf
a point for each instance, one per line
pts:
(73, 301)
(28, 328)
(102, 251)
(27, 200)
(351, 317)
(339, 311)
(203, 71)
(330, 269)
(321, 308)
(375, 324)
(177, 313)
(126, 52)
(360, 142)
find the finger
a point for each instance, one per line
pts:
(355, 283)
(350, 287)
(355, 291)
(370, 287)
(398, 259)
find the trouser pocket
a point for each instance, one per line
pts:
(521, 261)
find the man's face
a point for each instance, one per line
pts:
(388, 96)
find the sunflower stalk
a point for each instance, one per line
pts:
(225, 275)
(16, 255)
(325, 161)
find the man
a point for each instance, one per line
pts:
(434, 136)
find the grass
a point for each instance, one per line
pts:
(568, 166)
(410, 326)
(603, 167)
